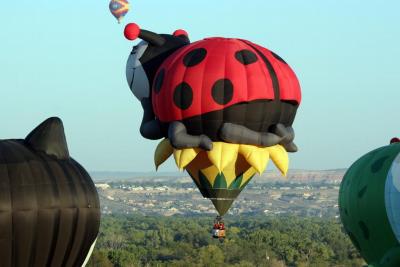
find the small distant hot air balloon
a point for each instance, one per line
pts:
(119, 8)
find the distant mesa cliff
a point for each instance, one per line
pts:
(305, 176)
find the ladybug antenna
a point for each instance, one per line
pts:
(395, 140)
(132, 31)
(152, 37)
(182, 34)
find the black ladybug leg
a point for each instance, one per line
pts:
(288, 136)
(290, 147)
(179, 137)
(286, 132)
(234, 133)
(150, 127)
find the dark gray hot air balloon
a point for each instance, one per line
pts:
(49, 207)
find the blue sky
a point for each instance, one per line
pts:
(67, 59)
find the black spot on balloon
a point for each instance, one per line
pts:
(246, 57)
(346, 212)
(354, 240)
(183, 96)
(278, 57)
(194, 57)
(362, 192)
(378, 164)
(222, 91)
(364, 229)
(159, 81)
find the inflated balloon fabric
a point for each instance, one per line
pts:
(119, 8)
(49, 207)
(225, 106)
(222, 173)
(218, 80)
(369, 202)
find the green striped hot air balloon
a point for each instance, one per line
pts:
(369, 202)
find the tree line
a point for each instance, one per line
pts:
(137, 240)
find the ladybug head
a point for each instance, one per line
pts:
(148, 55)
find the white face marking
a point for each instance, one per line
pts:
(135, 74)
(392, 196)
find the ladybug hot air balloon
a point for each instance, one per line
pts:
(369, 202)
(49, 207)
(119, 8)
(224, 106)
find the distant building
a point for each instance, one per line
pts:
(139, 188)
(102, 186)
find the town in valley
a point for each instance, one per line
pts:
(301, 193)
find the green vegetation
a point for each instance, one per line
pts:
(135, 240)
